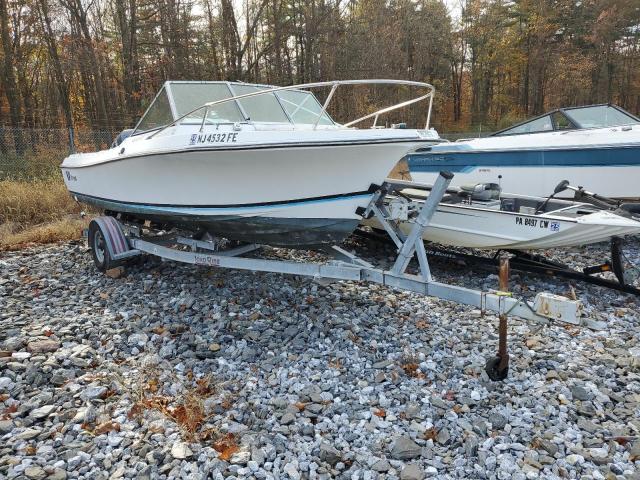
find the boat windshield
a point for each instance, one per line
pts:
(177, 99)
(303, 107)
(157, 115)
(593, 116)
(189, 96)
(260, 108)
(600, 116)
(540, 124)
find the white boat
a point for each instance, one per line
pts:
(247, 162)
(596, 145)
(484, 218)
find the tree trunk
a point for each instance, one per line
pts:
(61, 82)
(9, 80)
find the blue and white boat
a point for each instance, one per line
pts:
(597, 145)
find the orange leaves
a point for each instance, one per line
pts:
(106, 427)
(159, 330)
(430, 434)
(189, 416)
(335, 363)
(226, 446)
(422, 325)
(187, 411)
(411, 370)
(13, 408)
(203, 386)
(380, 413)
(153, 385)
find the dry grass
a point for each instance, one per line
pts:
(56, 231)
(37, 211)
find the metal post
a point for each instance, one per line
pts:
(424, 217)
(326, 104)
(498, 367)
(426, 127)
(504, 288)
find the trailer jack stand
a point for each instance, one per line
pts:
(497, 367)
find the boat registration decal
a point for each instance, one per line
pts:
(539, 223)
(203, 138)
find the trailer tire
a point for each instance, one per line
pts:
(98, 245)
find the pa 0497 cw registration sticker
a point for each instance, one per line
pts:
(538, 223)
(209, 138)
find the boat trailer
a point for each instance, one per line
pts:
(114, 241)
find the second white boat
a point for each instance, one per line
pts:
(483, 218)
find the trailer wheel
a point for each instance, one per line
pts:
(98, 246)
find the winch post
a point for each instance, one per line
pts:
(498, 367)
(408, 248)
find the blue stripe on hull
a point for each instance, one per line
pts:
(467, 161)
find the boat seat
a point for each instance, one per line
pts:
(520, 205)
(481, 191)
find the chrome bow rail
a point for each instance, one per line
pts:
(334, 84)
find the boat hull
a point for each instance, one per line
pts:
(604, 160)
(492, 230)
(260, 226)
(293, 197)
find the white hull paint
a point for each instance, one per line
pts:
(244, 182)
(471, 227)
(254, 190)
(613, 182)
(606, 160)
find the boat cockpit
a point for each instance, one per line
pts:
(573, 118)
(489, 196)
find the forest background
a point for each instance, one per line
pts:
(73, 73)
(96, 64)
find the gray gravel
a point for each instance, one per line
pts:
(175, 371)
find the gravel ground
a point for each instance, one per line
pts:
(176, 371)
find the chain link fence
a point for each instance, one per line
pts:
(38, 152)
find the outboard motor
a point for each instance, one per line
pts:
(482, 192)
(122, 136)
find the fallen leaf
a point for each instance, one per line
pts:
(430, 434)
(421, 325)
(153, 385)
(106, 427)
(226, 447)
